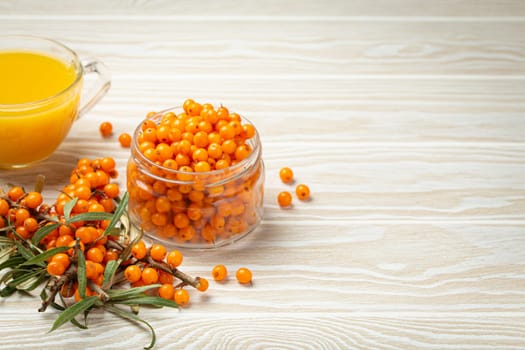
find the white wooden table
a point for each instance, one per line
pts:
(407, 120)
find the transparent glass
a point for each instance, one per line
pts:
(206, 209)
(31, 131)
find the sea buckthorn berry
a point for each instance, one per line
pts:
(248, 130)
(83, 192)
(31, 225)
(202, 285)
(200, 139)
(165, 278)
(150, 275)
(284, 199)
(33, 199)
(244, 275)
(187, 104)
(229, 146)
(15, 193)
(106, 129)
(21, 215)
(303, 192)
(242, 152)
(62, 258)
(111, 190)
(174, 258)
(202, 167)
(227, 132)
(182, 297)
(133, 273)
(166, 291)
(96, 207)
(157, 252)
(219, 272)
(4, 207)
(286, 174)
(95, 254)
(200, 154)
(223, 113)
(124, 139)
(107, 164)
(139, 250)
(55, 268)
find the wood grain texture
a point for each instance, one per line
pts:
(405, 119)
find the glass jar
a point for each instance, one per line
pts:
(195, 209)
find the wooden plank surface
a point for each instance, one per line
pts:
(406, 119)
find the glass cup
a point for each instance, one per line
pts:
(30, 131)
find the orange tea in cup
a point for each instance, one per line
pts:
(40, 87)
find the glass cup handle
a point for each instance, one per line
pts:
(101, 86)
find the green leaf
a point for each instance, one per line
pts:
(7, 291)
(121, 208)
(42, 232)
(24, 277)
(147, 300)
(13, 261)
(109, 273)
(26, 253)
(6, 241)
(121, 294)
(6, 253)
(32, 283)
(93, 216)
(72, 311)
(81, 272)
(132, 317)
(41, 258)
(69, 207)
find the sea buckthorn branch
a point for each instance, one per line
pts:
(80, 247)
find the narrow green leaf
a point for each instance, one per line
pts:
(6, 241)
(6, 253)
(41, 258)
(7, 291)
(109, 273)
(120, 294)
(147, 300)
(13, 261)
(32, 283)
(72, 311)
(24, 277)
(26, 253)
(132, 317)
(122, 206)
(93, 216)
(69, 207)
(42, 232)
(81, 272)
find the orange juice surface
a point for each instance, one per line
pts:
(36, 106)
